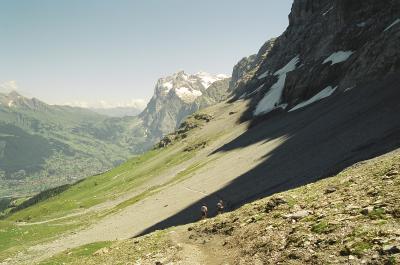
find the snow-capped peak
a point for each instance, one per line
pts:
(186, 86)
(187, 94)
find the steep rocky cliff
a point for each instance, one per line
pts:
(329, 47)
(245, 69)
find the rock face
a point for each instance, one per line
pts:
(241, 69)
(338, 44)
(245, 69)
(179, 95)
(217, 92)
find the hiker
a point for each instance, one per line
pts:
(220, 207)
(204, 211)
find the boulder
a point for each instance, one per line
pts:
(298, 215)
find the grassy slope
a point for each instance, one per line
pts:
(67, 210)
(353, 218)
(93, 191)
(230, 230)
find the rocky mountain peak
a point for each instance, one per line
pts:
(186, 87)
(179, 95)
(15, 100)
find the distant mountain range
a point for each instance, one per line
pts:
(43, 146)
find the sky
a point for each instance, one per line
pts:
(112, 52)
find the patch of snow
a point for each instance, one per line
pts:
(397, 21)
(222, 76)
(10, 103)
(255, 91)
(207, 79)
(321, 95)
(329, 10)
(338, 57)
(282, 106)
(168, 85)
(289, 67)
(243, 96)
(264, 75)
(348, 89)
(361, 25)
(271, 100)
(187, 94)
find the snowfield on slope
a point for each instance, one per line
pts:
(208, 79)
(272, 99)
(397, 21)
(338, 57)
(187, 94)
(168, 85)
(264, 75)
(321, 95)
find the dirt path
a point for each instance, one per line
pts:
(189, 253)
(199, 252)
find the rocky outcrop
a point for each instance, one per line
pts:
(217, 92)
(192, 122)
(245, 69)
(338, 44)
(180, 95)
(241, 69)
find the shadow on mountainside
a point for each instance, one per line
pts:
(322, 140)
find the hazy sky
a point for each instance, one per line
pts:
(115, 50)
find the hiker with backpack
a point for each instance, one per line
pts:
(220, 207)
(204, 211)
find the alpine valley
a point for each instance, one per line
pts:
(44, 146)
(301, 147)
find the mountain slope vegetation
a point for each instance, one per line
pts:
(350, 218)
(165, 187)
(319, 99)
